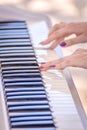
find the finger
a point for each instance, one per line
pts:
(50, 39)
(60, 34)
(77, 59)
(64, 62)
(53, 29)
(57, 64)
(56, 27)
(79, 51)
(74, 60)
(78, 39)
(48, 65)
(55, 44)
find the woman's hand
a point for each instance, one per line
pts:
(60, 31)
(77, 59)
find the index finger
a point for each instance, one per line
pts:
(50, 39)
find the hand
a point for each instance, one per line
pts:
(77, 59)
(59, 31)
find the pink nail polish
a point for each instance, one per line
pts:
(42, 63)
(63, 44)
(53, 66)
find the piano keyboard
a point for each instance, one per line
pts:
(27, 104)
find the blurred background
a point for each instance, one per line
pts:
(57, 10)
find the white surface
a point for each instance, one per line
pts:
(38, 32)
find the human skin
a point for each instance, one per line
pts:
(57, 36)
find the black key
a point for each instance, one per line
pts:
(17, 51)
(28, 107)
(34, 118)
(32, 113)
(34, 88)
(26, 97)
(18, 63)
(16, 48)
(33, 102)
(18, 59)
(14, 23)
(13, 32)
(14, 71)
(15, 80)
(20, 68)
(10, 41)
(23, 74)
(25, 93)
(24, 84)
(13, 26)
(15, 44)
(33, 124)
(17, 55)
(24, 36)
(23, 65)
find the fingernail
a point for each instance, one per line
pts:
(52, 66)
(41, 42)
(42, 63)
(63, 44)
